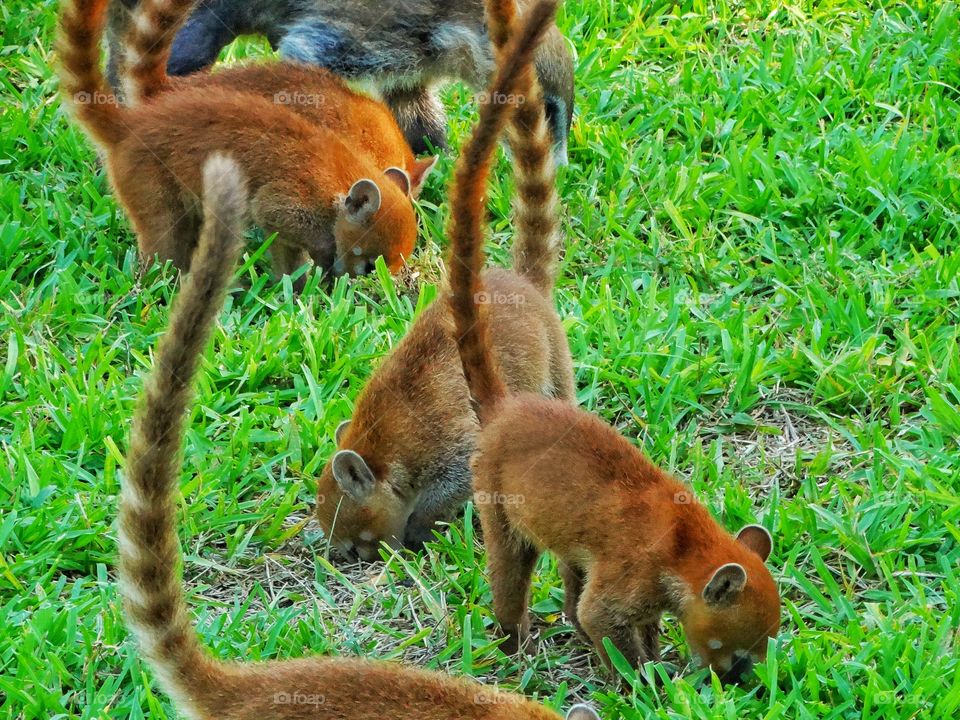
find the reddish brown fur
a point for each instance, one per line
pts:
(312, 92)
(631, 542)
(203, 687)
(301, 175)
(413, 425)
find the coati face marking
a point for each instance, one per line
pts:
(729, 622)
(374, 219)
(357, 509)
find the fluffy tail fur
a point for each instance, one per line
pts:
(147, 46)
(537, 244)
(149, 552)
(514, 70)
(82, 82)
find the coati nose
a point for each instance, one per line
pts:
(741, 667)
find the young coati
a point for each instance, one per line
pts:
(202, 686)
(630, 541)
(405, 50)
(310, 91)
(402, 462)
(322, 197)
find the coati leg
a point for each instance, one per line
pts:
(602, 620)
(287, 259)
(209, 29)
(166, 230)
(572, 589)
(298, 230)
(420, 115)
(447, 494)
(650, 639)
(510, 562)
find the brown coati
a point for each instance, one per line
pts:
(202, 686)
(403, 50)
(630, 541)
(312, 92)
(402, 461)
(323, 197)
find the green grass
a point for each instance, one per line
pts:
(760, 286)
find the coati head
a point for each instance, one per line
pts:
(376, 217)
(356, 507)
(554, 65)
(733, 608)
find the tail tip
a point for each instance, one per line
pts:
(224, 185)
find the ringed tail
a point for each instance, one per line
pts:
(147, 44)
(466, 230)
(150, 559)
(82, 82)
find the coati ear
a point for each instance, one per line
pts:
(756, 538)
(400, 177)
(419, 172)
(341, 429)
(362, 201)
(582, 712)
(725, 586)
(353, 475)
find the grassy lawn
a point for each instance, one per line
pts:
(760, 287)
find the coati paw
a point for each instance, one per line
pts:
(417, 535)
(517, 642)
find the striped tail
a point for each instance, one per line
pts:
(514, 70)
(82, 82)
(538, 241)
(150, 557)
(147, 44)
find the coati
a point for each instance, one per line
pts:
(402, 461)
(321, 196)
(312, 92)
(202, 686)
(630, 541)
(405, 50)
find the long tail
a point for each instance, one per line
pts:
(149, 552)
(147, 44)
(514, 70)
(538, 241)
(82, 82)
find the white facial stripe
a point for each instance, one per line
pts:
(714, 644)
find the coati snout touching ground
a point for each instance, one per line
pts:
(321, 196)
(313, 93)
(405, 50)
(630, 542)
(402, 462)
(202, 686)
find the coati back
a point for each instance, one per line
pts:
(202, 686)
(402, 462)
(405, 50)
(630, 541)
(312, 92)
(322, 197)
